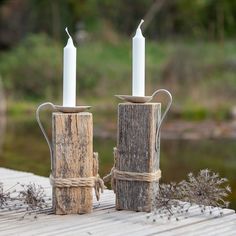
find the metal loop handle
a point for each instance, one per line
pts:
(41, 126)
(165, 112)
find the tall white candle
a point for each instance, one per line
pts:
(69, 73)
(138, 65)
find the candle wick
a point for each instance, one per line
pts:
(141, 22)
(67, 32)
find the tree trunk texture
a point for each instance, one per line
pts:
(136, 152)
(72, 158)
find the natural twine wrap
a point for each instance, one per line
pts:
(136, 176)
(93, 182)
(129, 176)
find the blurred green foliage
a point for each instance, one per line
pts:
(32, 69)
(200, 75)
(212, 19)
(199, 19)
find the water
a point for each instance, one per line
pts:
(25, 149)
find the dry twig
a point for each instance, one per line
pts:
(207, 190)
(31, 198)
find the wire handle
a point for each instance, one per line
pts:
(165, 112)
(42, 128)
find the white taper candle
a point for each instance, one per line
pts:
(138, 63)
(69, 73)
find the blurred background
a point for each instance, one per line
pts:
(190, 50)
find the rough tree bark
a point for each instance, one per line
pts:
(136, 152)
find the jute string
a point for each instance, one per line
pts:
(136, 176)
(93, 182)
(129, 176)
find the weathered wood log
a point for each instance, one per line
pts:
(72, 137)
(136, 152)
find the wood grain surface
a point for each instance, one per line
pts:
(72, 158)
(136, 152)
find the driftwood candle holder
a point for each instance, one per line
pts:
(136, 171)
(74, 165)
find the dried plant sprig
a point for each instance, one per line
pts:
(206, 189)
(33, 196)
(168, 196)
(30, 199)
(169, 201)
(6, 196)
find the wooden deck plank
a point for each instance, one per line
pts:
(105, 220)
(113, 217)
(215, 226)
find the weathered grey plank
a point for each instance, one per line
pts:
(7, 174)
(136, 152)
(217, 226)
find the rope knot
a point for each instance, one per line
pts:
(93, 182)
(98, 186)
